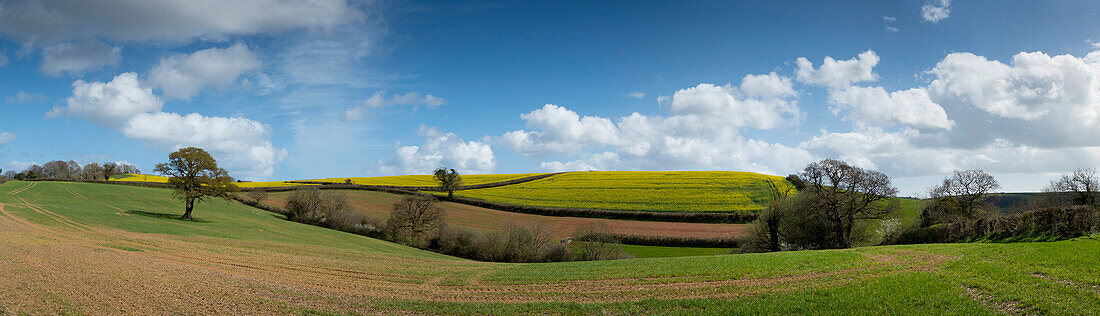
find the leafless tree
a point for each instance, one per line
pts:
(847, 193)
(968, 187)
(415, 219)
(1079, 187)
(91, 171)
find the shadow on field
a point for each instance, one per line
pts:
(171, 216)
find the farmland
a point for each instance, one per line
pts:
(161, 179)
(680, 191)
(75, 248)
(427, 180)
(379, 205)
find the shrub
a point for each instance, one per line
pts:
(595, 242)
(1042, 224)
(329, 209)
(415, 221)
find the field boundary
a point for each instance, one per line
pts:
(436, 188)
(685, 217)
(665, 241)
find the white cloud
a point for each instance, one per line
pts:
(838, 73)
(873, 106)
(6, 138)
(174, 20)
(241, 144)
(183, 76)
(887, 18)
(891, 29)
(76, 58)
(702, 132)
(379, 100)
(24, 97)
(441, 150)
(109, 104)
(936, 10)
(635, 95)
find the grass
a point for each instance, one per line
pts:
(665, 252)
(379, 205)
(162, 179)
(241, 259)
(681, 191)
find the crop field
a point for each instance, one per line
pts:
(74, 248)
(160, 179)
(681, 191)
(427, 179)
(379, 205)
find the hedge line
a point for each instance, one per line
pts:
(687, 217)
(645, 240)
(436, 188)
(1042, 224)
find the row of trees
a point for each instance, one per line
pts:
(836, 202)
(71, 170)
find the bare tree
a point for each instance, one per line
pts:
(91, 171)
(847, 193)
(1079, 187)
(449, 181)
(967, 187)
(55, 169)
(414, 219)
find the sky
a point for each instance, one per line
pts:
(287, 89)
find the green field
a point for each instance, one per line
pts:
(681, 191)
(665, 252)
(70, 248)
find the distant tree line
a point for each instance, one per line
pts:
(71, 170)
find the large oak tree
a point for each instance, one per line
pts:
(195, 176)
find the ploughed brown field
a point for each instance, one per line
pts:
(379, 205)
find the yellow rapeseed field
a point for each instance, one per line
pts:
(427, 179)
(684, 191)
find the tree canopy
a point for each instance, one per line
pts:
(195, 176)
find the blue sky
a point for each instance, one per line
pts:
(301, 89)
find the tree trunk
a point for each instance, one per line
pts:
(451, 194)
(190, 206)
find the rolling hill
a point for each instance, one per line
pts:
(379, 205)
(678, 191)
(77, 248)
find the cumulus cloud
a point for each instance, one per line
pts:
(181, 76)
(6, 138)
(379, 100)
(702, 131)
(76, 58)
(635, 95)
(24, 97)
(109, 104)
(936, 10)
(241, 144)
(441, 149)
(838, 73)
(873, 106)
(173, 20)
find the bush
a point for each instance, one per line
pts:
(595, 242)
(1042, 224)
(329, 209)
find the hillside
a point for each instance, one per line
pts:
(73, 248)
(680, 191)
(379, 205)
